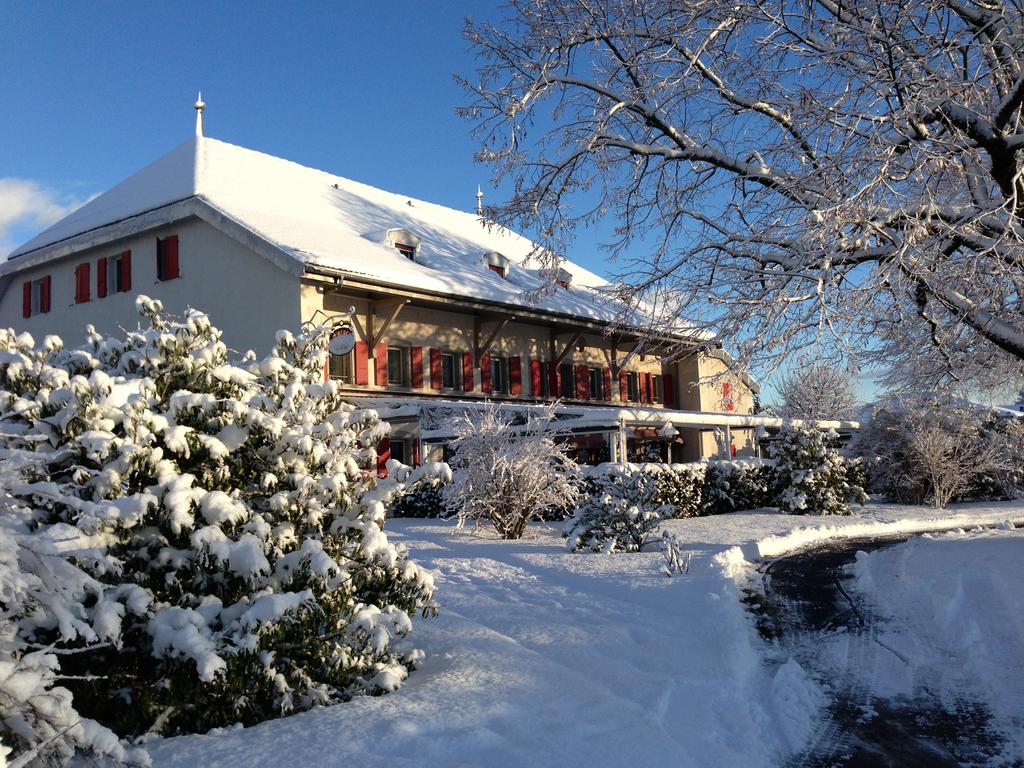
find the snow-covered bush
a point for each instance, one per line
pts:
(941, 450)
(220, 526)
(682, 487)
(426, 500)
(620, 512)
(811, 473)
(737, 484)
(508, 470)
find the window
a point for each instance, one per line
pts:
(568, 373)
(409, 251)
(633, 386)
(500, 270)
(499, 375)
(399, 450)
(451, 368)
(340, 368)
(597, 384)
(659, 389)
(114, 274)
(398, 366)
(36, 297)
(167, 258)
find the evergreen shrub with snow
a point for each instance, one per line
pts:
(187, 543)
(682, 487)
(738, 484)
(811, 473)
(508, 470)
(621, 511)
(426, 500)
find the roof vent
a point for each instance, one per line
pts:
(407, 243)
(497, 262)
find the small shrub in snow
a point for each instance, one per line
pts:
(739, 484)
(214, 535)
(426, 500)
(676, 561)
(621, 511)
(508, 471)
(811, 473)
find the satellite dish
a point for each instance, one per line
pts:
(342, 341)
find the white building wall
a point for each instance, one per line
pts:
(246, 296)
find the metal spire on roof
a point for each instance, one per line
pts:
(479, 201)
(200, 105)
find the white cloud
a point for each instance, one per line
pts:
(26, 207)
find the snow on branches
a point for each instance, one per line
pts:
(844, 175)
(811, 474)
(188, 543)
(508, 470)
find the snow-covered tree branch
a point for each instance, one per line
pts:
(786, 174)
(817, 392)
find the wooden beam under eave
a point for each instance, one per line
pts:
(393, 308)
(481, 349)
(565, 350)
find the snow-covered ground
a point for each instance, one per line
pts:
(544, 657)
(953, 606)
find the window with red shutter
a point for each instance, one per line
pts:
(485, 374)
(383, 454)
(380, 368)
(167, 258)
(362, 363)
(82, 283)
(125, 269)
(582, 382)
(416, 363)
(435, 369)
(515, 375)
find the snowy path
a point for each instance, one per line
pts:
(545, 658)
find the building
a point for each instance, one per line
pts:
(436, 298)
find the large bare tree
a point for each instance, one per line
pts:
(816, 392)
(783, 173)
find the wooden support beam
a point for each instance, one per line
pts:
(565, 350)
(392, 308)
(481, 349)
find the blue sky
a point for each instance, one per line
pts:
(93, 92)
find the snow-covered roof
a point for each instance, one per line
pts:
(323, 220)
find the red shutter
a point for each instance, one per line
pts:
(607, 383)
(515, 375)
(467, 372)
(383, 454)
(416, 363)
(415, 453)
(380, 361)
(536, 384)
(554, 380)
(170, 257)
(582, 382)
(101, 278)
(44, 305)
(668, 384)
(648, 388)
(727, 395)
(327, 366)
(26, 299)
(623, 387)
(82, 283)
(435, 368)
(362, 363)
(485, 374)
(126, 271)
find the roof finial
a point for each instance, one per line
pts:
(200, 105)
(479, 201)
